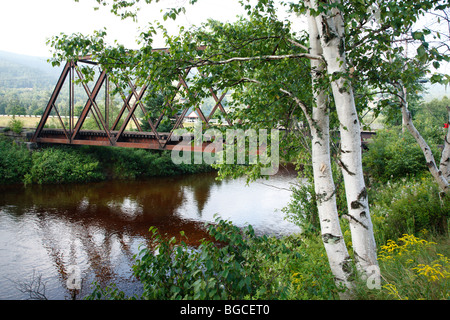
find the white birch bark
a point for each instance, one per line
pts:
(331, 31)
(325, 189)
(444, 165)
(440, 174)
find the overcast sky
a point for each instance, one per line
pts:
(25, 25)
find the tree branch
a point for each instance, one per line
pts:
(297, 44)
(301, 105)
(430, 161)
(245, 80)
(260, 58)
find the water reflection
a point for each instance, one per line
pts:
(98, 227)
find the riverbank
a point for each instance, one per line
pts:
(79, 164)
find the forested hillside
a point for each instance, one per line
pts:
(26, 83)
(25, 72)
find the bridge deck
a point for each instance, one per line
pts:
(128, 139)
(131, 139)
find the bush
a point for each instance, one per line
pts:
(408, 206)
(126, 164)
(62, 165)
(15, 161)
(237, 269)
(237, 264)
(393, 155)
(15, 125)
(130, 164)
(66, 164)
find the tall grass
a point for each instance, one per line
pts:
(411, 229)
(412, 268)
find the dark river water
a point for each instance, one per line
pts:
(98, 227)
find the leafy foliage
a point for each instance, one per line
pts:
(235, 264)
(15, 161)
(139, 163)
(62, 165)
(15, 125)
(85, 164)
(394, 155)
(232, 270)
(411, 206)
(433, 115)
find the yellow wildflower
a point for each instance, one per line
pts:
(408, 243)
(436, 270)
(432, 273)
(392, 290)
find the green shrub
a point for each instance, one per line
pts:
(66, 164)
(15, 125)
(408, 206)
(62, 165)
(234, 270)
(237, 264)
(130, 164)
(393, 155)
(15, 161)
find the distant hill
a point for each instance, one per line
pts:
(21, 71)
(436, 91)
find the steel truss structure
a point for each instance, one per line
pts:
(113, 134)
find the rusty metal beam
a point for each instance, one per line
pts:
(55, 94)
(94, 104)
(62, 124)
(126, 105)
(121, 111)
(88, 104)
(125, 122)
(138, 100)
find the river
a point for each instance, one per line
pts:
(98, 227)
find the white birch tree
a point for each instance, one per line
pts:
(325, 189)
(330, 23)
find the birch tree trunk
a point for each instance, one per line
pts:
(444, 165)
(440, 174)
(331, 30)
(325, 189)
